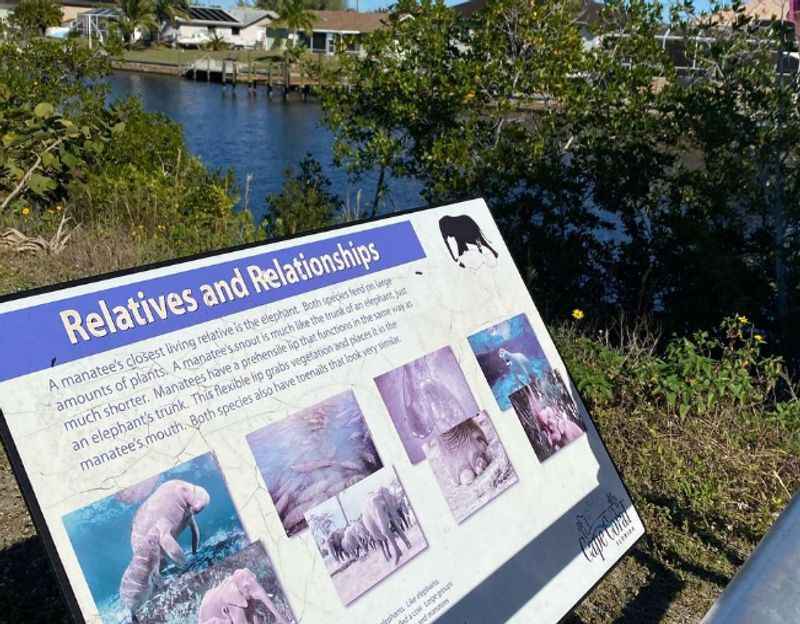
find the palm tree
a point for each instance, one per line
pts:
(170, 11)
(136, 15)
(296, 17)
(217, 42)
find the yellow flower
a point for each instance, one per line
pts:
(759, 338)
(26, 211)
(743, 320)
(577, 314)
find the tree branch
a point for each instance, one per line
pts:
(29, 174)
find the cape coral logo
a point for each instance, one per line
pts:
(464, 232)
(612, 526)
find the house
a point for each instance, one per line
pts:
(239, 26)
(766, 13)
(762, 11)
(70, 8)
(330, 29)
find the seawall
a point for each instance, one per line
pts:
(167, 69)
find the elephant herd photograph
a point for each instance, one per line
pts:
(366, 533)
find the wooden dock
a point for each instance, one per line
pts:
(277, 77)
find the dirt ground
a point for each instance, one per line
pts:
(356, 577)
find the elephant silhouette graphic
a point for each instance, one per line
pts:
(464, 231)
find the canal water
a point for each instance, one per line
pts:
(254, 136)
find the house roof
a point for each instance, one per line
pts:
(216, 16)
(249, 16)
(348, 21)
(762, 10)
(588, 14)
(102, 12)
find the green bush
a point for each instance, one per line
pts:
(149, 184)
(150, 141)
(34, 17)
(706, 432)
(304, 203)
(190, 211)
(704, 374)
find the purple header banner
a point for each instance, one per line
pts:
(45, 335)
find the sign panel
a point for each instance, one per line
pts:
(369, 424)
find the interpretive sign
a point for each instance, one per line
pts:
(369, 424)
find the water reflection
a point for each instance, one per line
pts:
(252, 135)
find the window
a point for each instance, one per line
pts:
(235, 31)
(319, 43)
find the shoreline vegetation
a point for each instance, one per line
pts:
(679, 332)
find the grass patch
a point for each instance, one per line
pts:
(707, 482)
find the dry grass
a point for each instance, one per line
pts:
(89, 253)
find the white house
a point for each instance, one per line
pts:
(240, 27)
(70, 8)
(329, 29)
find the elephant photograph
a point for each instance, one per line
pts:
(426, 397)
(366, 533)
(549, 415)
(510, 357)
(242, 588)
(470, 465)
(141, 544)
(312, 455)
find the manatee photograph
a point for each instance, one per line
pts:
(366, 533)
(470, 464)
(548, 414)
(510, 357)
(150, 537)
(241, 589)
(312, 455)
(425, 397)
